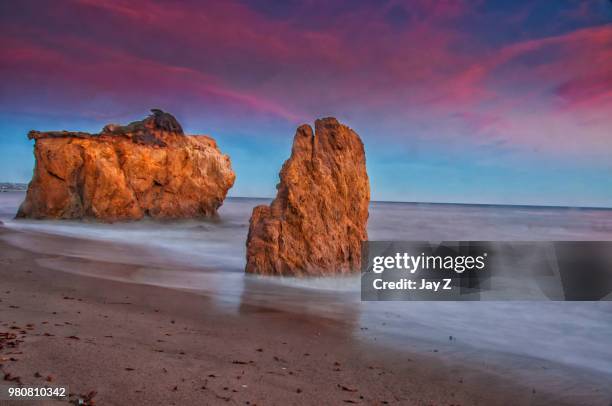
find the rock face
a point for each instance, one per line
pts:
(317, 222)
(146, 168)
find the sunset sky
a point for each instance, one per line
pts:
(456, 101)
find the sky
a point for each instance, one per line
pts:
(498, 102)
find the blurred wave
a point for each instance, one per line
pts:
(209, 256)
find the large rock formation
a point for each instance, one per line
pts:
(146, 168)
(317, 222)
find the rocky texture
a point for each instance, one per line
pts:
(146, 168)
(317, 222)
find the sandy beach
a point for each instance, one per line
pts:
(122, 343)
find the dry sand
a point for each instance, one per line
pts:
(129, 344)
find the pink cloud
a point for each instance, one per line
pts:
(91, 70)
(502, 96)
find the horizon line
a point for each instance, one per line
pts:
(541, 206)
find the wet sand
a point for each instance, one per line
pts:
(144, 345)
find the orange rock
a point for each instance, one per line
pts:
(317, 222)
(147, 168)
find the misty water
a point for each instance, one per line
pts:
(208, 257)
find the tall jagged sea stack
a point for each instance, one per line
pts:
(317, 222)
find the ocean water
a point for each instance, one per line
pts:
(208, 257)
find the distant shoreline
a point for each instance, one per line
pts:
(13, 187)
